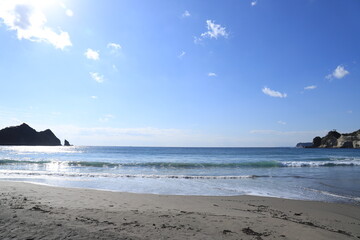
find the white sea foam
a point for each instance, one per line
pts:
(181, 165)
(24, 150)
(321, 164)
(112, 175)
(357, 199)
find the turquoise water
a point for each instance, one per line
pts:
(311, 174)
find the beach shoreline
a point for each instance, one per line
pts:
(32, 211)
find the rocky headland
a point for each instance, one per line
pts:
(304, 144)
(335, 139)
(25, 135)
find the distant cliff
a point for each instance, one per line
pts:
(337, 140)
(304, 145)
(25, 135)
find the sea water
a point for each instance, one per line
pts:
(309, 174)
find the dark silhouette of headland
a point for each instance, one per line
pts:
(25, 135)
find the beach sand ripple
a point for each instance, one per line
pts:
(29, 211)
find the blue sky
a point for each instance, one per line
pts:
(181, 73)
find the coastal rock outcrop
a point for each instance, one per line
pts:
(66, 143)
(304, 145)
(316, 142)
(25, 135)
(336, 140)
(330, 140)
(349, 140)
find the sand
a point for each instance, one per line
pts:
(29, 211)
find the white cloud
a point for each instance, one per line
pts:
(281, 122)
(214, 30)
(186, 14)
(27, 18)
(106, 118)
(182, 54)
(142, 136)
(69, 12)
(285, 138)
(296, 133)
(198, 40)
(97, 77)
(114, 68)
(312, 87)
(273, 93)
(338, 73)
(114, 46)
(253, 3)
(211, 74)
(92, 54)
(94, 97)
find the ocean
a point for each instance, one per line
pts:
(331, 175)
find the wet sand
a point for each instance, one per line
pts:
(29, 211)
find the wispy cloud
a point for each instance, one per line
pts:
(186, 14)
(311, 87)
(114, 46)
(214, 30)
(349, 111)
(145, 136)
(94, 97)
(29, 21)
(198, 40)
(211, 74)
(97, 77)
(69, 12)
(181, 55)
(141, 136)
(253, 3)
(275, 132)
(106, 118)
(92, 54)
(285, 138)
(338, 73)
(273, 93)
(281, 122)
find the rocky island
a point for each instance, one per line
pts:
(66, 143)
(25, 135)
(334, 140)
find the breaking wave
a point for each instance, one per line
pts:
(112, 175)
(178, 165)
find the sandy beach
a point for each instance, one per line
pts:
(29, 211)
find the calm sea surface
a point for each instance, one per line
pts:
(312, 174)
